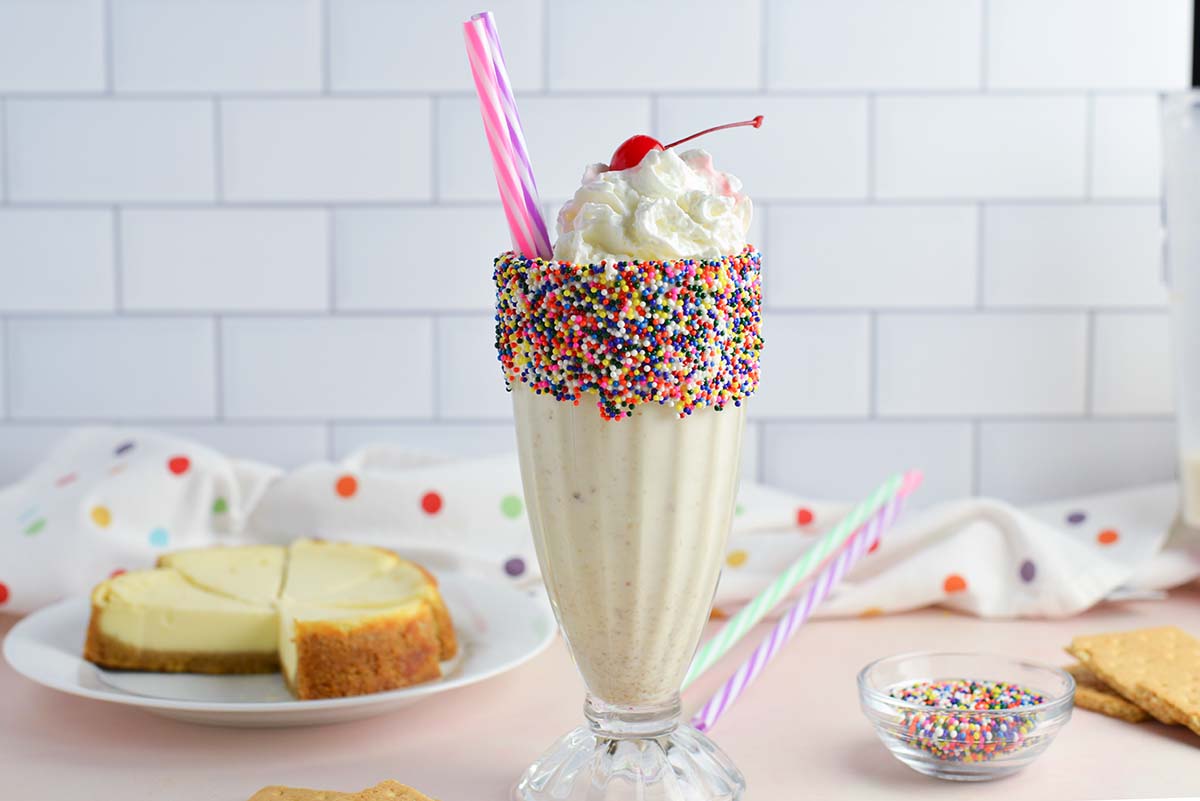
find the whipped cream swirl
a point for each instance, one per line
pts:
(670, 206)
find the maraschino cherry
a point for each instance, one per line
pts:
(634, 149)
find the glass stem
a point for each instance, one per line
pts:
(632, 722)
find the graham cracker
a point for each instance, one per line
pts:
(389, 791)
(384, 791)
(279, 793)
(1158, 669)
(1091, 693)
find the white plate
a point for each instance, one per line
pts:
(499, 627)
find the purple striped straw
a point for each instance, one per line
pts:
(517, 135)
(858, 545)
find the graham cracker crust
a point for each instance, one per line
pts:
(109, 652)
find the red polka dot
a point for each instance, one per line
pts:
(120, 571)
(954, 583)
(874, 546)
(3, 593)
(346, 486)
(804, 516)
(431, 502)
(1107, 537)
(179, 465)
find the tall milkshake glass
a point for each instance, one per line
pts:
(627, 384)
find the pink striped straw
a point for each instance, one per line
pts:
(495, 125)
(524, 165)
(854, 549)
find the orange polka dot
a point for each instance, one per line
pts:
(120, 571)
(871, 611)
(718, 614)
(804, 516)
(736, 558)
(431, 502)
(101, 516)
(1107, 537)
(346, 486)
(954, 583)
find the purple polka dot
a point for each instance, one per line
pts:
(514, 566)
(1075, 518)
(123, 448)
(1028, 571)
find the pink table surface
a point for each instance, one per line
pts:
(798, 733)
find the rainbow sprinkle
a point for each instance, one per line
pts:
(683, 333)
(974, 733)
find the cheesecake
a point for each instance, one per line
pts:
(158, 620)
(338, 619)
(328, 652)
(252, 573)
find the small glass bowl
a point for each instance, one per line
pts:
(964, 744)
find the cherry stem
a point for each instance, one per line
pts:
(756, 122)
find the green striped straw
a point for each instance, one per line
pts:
(737, 626)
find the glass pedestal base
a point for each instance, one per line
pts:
(641, 756)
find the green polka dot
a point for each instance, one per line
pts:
(511, 506)
(739, 510)
(220, 506)
(36, 526)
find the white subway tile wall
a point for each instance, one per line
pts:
(268, 224)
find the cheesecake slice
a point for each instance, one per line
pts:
(341, 619)
(331, 652)
(158, 620)
(317, 567)
(403, 582)
(252, 573)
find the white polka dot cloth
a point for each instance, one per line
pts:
(107, 500)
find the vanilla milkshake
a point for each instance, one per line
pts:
(630, 520)
(629, 357)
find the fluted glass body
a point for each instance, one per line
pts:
(630, 519)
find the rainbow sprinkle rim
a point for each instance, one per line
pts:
(683, 333)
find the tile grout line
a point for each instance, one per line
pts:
(545, 46)
(218, 369)
(1089, 365)
(218, 152)
(109, 50)
(436, 367)
(435, 126)
(331, 303)
(871, 141)
(764, 32)
(7, 351)
(326, 48)
(984, 34)
(976, 457)
(398, 312)
(4, 145)
(118, 255)
(1089, 145)
(152, 96)
(873, 365)
(488, 203)
(980, 256)
(760, 467)
(467, 420)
